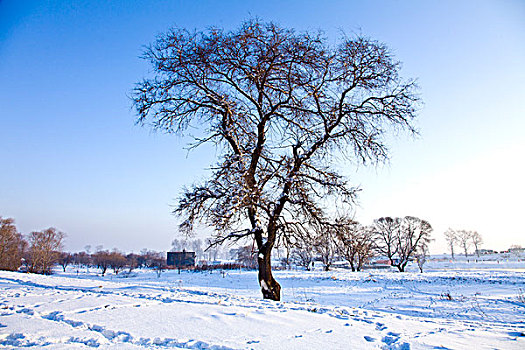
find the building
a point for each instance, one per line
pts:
(181, 260)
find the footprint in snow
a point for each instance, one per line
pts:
(380, 326)
(369, 339)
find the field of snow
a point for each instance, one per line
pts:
(462, 305)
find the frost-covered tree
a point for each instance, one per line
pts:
(279, 106)
(464, 240)
(451, 237)
(196, 245)
(421, 256)
(178, 245)
(477, 241)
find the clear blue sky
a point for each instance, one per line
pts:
(72, 157)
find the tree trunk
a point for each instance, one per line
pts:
(269, 287)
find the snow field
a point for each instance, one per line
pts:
(476, 308)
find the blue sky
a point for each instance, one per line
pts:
(74, 159)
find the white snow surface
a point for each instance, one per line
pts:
(452, 306)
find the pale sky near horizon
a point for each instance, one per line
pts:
(74, 159)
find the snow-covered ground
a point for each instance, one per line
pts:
(455, 305)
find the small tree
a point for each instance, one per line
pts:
(158, 263)
(82, 259)
(133, 261)
(452, 239)
(246, 257)
(464, 240)
(178, 245)
(102, 258)
(302, 255)
(355, 243)
(196, 245)
(414, 234)
(477, 241)
(399, 239)
(325, 243)
(44, 250)
(117, 261)
(65, 259)
(12, 245)
(421, 256)
(386, 231)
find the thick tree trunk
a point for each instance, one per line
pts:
(269, 287)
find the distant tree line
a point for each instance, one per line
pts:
(464, 240)
(118, 261)
(40, 251)
(397, 240)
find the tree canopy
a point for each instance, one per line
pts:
(279, 105)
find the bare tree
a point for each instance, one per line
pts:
(302, 255)
(12, 245)
(212, 250)
(355, 243)
(157, 261)
(246, 257)
(399, 239)
(65, 259)
(196, 245)
(102, 259)
(464, 240)
(421, 256)
(386, 230)
(414, 234)
(82, 259)
(117, 261)
(452, 239)
(279, 106)
(477, 241)
(178, 245)
(44, 250)
(324, 243)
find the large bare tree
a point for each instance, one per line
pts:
(280, 106)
